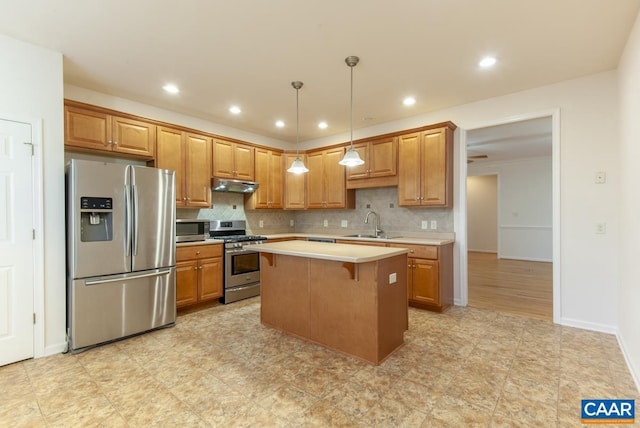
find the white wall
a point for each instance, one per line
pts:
(482, 213)
(144, 110)
(525, 190)
(589, 140)
(31, 90)
(629, 249)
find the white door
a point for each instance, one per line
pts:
(16, 242)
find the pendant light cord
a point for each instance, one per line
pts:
(351, 112)
(297, 124)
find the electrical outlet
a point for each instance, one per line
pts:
(601, 228)
(291, 223)
(325, 223)
(261, 224)
(434, 224)
(393, 277)
(344, 223)
(425, 224)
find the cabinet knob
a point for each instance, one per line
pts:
(115, 143)
(411, 251)
(197, 252)
(195, 268)
(417, 198)
(184, 199)
(188, 199)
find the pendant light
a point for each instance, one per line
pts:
(297, 166)
(351, 157)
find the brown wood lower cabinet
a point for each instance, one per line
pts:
(199, 274)
(429, 276)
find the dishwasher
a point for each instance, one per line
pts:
(327, 240)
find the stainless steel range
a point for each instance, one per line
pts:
(241, 264)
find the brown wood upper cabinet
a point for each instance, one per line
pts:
(233, 160)
(294, 185)
(425, 168)
(189, 155)
(380, 164)
(95, 129)
(268, 173)
(326, 182)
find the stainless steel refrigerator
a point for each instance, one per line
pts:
(120, 251)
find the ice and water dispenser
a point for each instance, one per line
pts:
(96, 219)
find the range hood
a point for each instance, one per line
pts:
(236, 186)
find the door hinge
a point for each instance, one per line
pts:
(34, 234)
(31, 144)
(34, 318)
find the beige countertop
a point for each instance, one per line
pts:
(335, 252)
(394, 240)
(206, 242)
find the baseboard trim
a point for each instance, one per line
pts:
(526, 259)
(635, 372)
(602, 328)
(57, 348)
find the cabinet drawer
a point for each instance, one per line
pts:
(198, 252)
(420, 251)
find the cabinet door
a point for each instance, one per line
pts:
(425, 284)
(171, 155)
(383, 157)
(260, 198)
(87, 129)
(223, 159)
(243, 162)
(198, 170)
(186, 283)
(360, 171)
(276, 199)
(315, 180)
(335, 188)
(210, 278)
(294, 185)
(435, 168)
(133, 137)
(409, 170)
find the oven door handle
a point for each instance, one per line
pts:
(239, 251)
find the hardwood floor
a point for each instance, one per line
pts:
(514, 286)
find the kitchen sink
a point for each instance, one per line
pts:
(365, 236)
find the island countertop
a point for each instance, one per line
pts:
(329, 251)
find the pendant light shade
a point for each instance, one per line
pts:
(297, 166)
(351, 157)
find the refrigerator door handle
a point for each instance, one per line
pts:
(120, 279)
(135, 219)
(127, 217)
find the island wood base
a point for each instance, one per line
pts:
(347, 307)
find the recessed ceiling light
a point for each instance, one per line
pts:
(323, 125)
(487, 62)
(235, 109)
(280, 124)
(409, 101)
(172, 89)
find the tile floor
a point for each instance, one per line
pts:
(221, 367)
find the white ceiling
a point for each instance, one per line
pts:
(516, 140)
(247, 52)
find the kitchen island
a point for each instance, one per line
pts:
(349, 298)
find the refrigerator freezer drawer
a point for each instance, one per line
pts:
(102, 309)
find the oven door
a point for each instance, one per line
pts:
(242, 267)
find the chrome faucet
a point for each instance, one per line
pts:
(376, 224)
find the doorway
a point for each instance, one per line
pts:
(509, 193)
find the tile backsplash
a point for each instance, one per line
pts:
(384, 201)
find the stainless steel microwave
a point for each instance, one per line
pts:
(191, 229)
